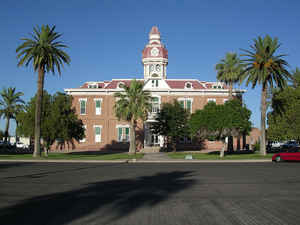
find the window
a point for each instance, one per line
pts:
(211, 100)
(83, 140)
(93, 86)
(225, 100)
(123, 133)
(154, 83)
(188, 85)
(186, 103)
(155, 105)
(185, 140)
(82, 106)
(120, 85)
(98, 102)
(97, 130)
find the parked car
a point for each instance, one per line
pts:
(290, 145)
(276, 144)
(21, 145)
(286, 156)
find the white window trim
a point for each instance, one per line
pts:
(84, 139)
(80, 100)
(186, 99)
(100, 126)
(122, 126)
(118, 85)
(98, 99)
(92, 85)
(211, 100)
(185, 85)
(159, 101)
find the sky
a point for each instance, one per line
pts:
(106, 38)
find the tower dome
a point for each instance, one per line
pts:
(155, 56)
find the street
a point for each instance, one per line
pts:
(137, 194)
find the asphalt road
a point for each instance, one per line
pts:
(138, 194)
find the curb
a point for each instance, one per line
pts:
(64, 161)
(140, 161)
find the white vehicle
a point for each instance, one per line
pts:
(277, 144)
(21, 145)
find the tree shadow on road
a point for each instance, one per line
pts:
(105, 201)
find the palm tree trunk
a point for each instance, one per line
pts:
(6, 129)
(16, 135)
(230, 90)
(38, 112)
(132, 147)
(263, 120)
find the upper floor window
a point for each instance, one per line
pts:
(82, 102)
(120, 85)
(186, 103)
(123, 133)
(188, 85)
(94, 85)
(98, 103)
(211, 100)
(154, 83)
(155, 105)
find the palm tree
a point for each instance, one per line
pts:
(132, 104)
(229, 70)
(10, 104)
(263, 67)
(296, 78)
(44, 51)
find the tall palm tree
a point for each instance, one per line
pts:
(229, 70)
(44, 51)
(265, 68)
(132, 104)
(10, 104)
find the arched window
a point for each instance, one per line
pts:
(188, 85)
(120, 85)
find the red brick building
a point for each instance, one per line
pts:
(94, 102)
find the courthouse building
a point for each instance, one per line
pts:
(94, 102)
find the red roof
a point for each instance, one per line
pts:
(162, 52)
(180, 84)
(154, 30)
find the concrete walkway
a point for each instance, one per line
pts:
(158, 156)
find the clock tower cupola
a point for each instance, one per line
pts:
(155, 57)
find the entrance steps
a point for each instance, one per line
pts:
(150, 149)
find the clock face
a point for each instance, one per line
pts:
(154, 51)
(157, 68)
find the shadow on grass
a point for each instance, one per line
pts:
(100, 203)
(241, 152)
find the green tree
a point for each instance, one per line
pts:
(131, 105)
(296, 78)
(263, 67)
(64, 117)
(171, 122)
(229, 70)
(44, 51)
(1, 134)
(284, 120)
(59, 120)
(220, 121)
(10, 103)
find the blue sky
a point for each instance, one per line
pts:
(106, 37)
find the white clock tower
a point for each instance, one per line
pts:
(155, 57)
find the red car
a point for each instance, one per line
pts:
(286, 156)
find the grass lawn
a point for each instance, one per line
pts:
(77, 156)
(207, 156)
